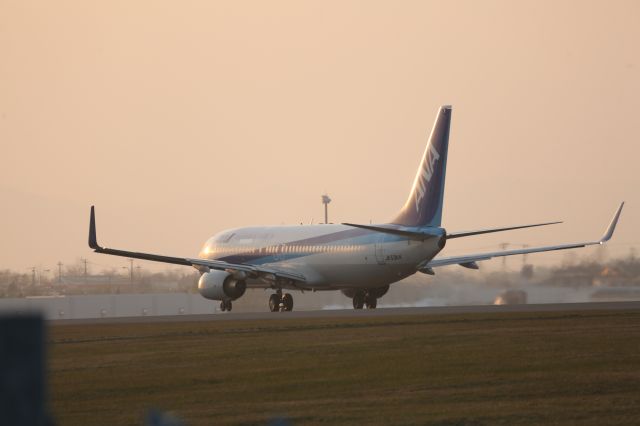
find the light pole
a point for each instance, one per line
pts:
(40, 275)
(59, 272)
(504, 246)
(130, 268)
(86, 274)
(326, 200)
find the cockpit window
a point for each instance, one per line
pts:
(224, 238)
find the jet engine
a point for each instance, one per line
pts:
(221, 285)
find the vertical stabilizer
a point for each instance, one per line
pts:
(424, 205)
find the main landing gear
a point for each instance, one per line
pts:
(279, 302)
(226, 305)
(362, 299)
(365, 297)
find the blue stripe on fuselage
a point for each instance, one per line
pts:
(355, 236)
(257, 256)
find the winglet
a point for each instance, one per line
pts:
(612, 226)
(93, 241)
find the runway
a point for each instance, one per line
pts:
(352, 313)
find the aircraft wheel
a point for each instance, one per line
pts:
(229, 305)
(223, 306)
(358, 300)
(287, 301)
(371, 302)
(274, 303)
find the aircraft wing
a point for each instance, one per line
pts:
(469, 260)
(203, 265)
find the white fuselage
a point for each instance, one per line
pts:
(330, 256)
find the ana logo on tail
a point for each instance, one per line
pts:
(424, 203)
(427, 172)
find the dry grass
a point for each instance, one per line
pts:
(548, 368)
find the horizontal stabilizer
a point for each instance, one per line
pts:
(414, 235)
(451, 235)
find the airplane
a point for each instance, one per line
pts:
(362, 261)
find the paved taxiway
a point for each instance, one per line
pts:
(351, 313)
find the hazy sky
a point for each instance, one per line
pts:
(180, 119)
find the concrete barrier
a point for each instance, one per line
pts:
(110, 305)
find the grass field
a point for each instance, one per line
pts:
(548, 368)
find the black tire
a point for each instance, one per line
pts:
(371, 302)
(358, 300)
(223, 306)
(287, 301)
(274, 303)
(229, 305)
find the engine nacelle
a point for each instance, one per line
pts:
(220, 285)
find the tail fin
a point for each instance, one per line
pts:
(424, 205)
